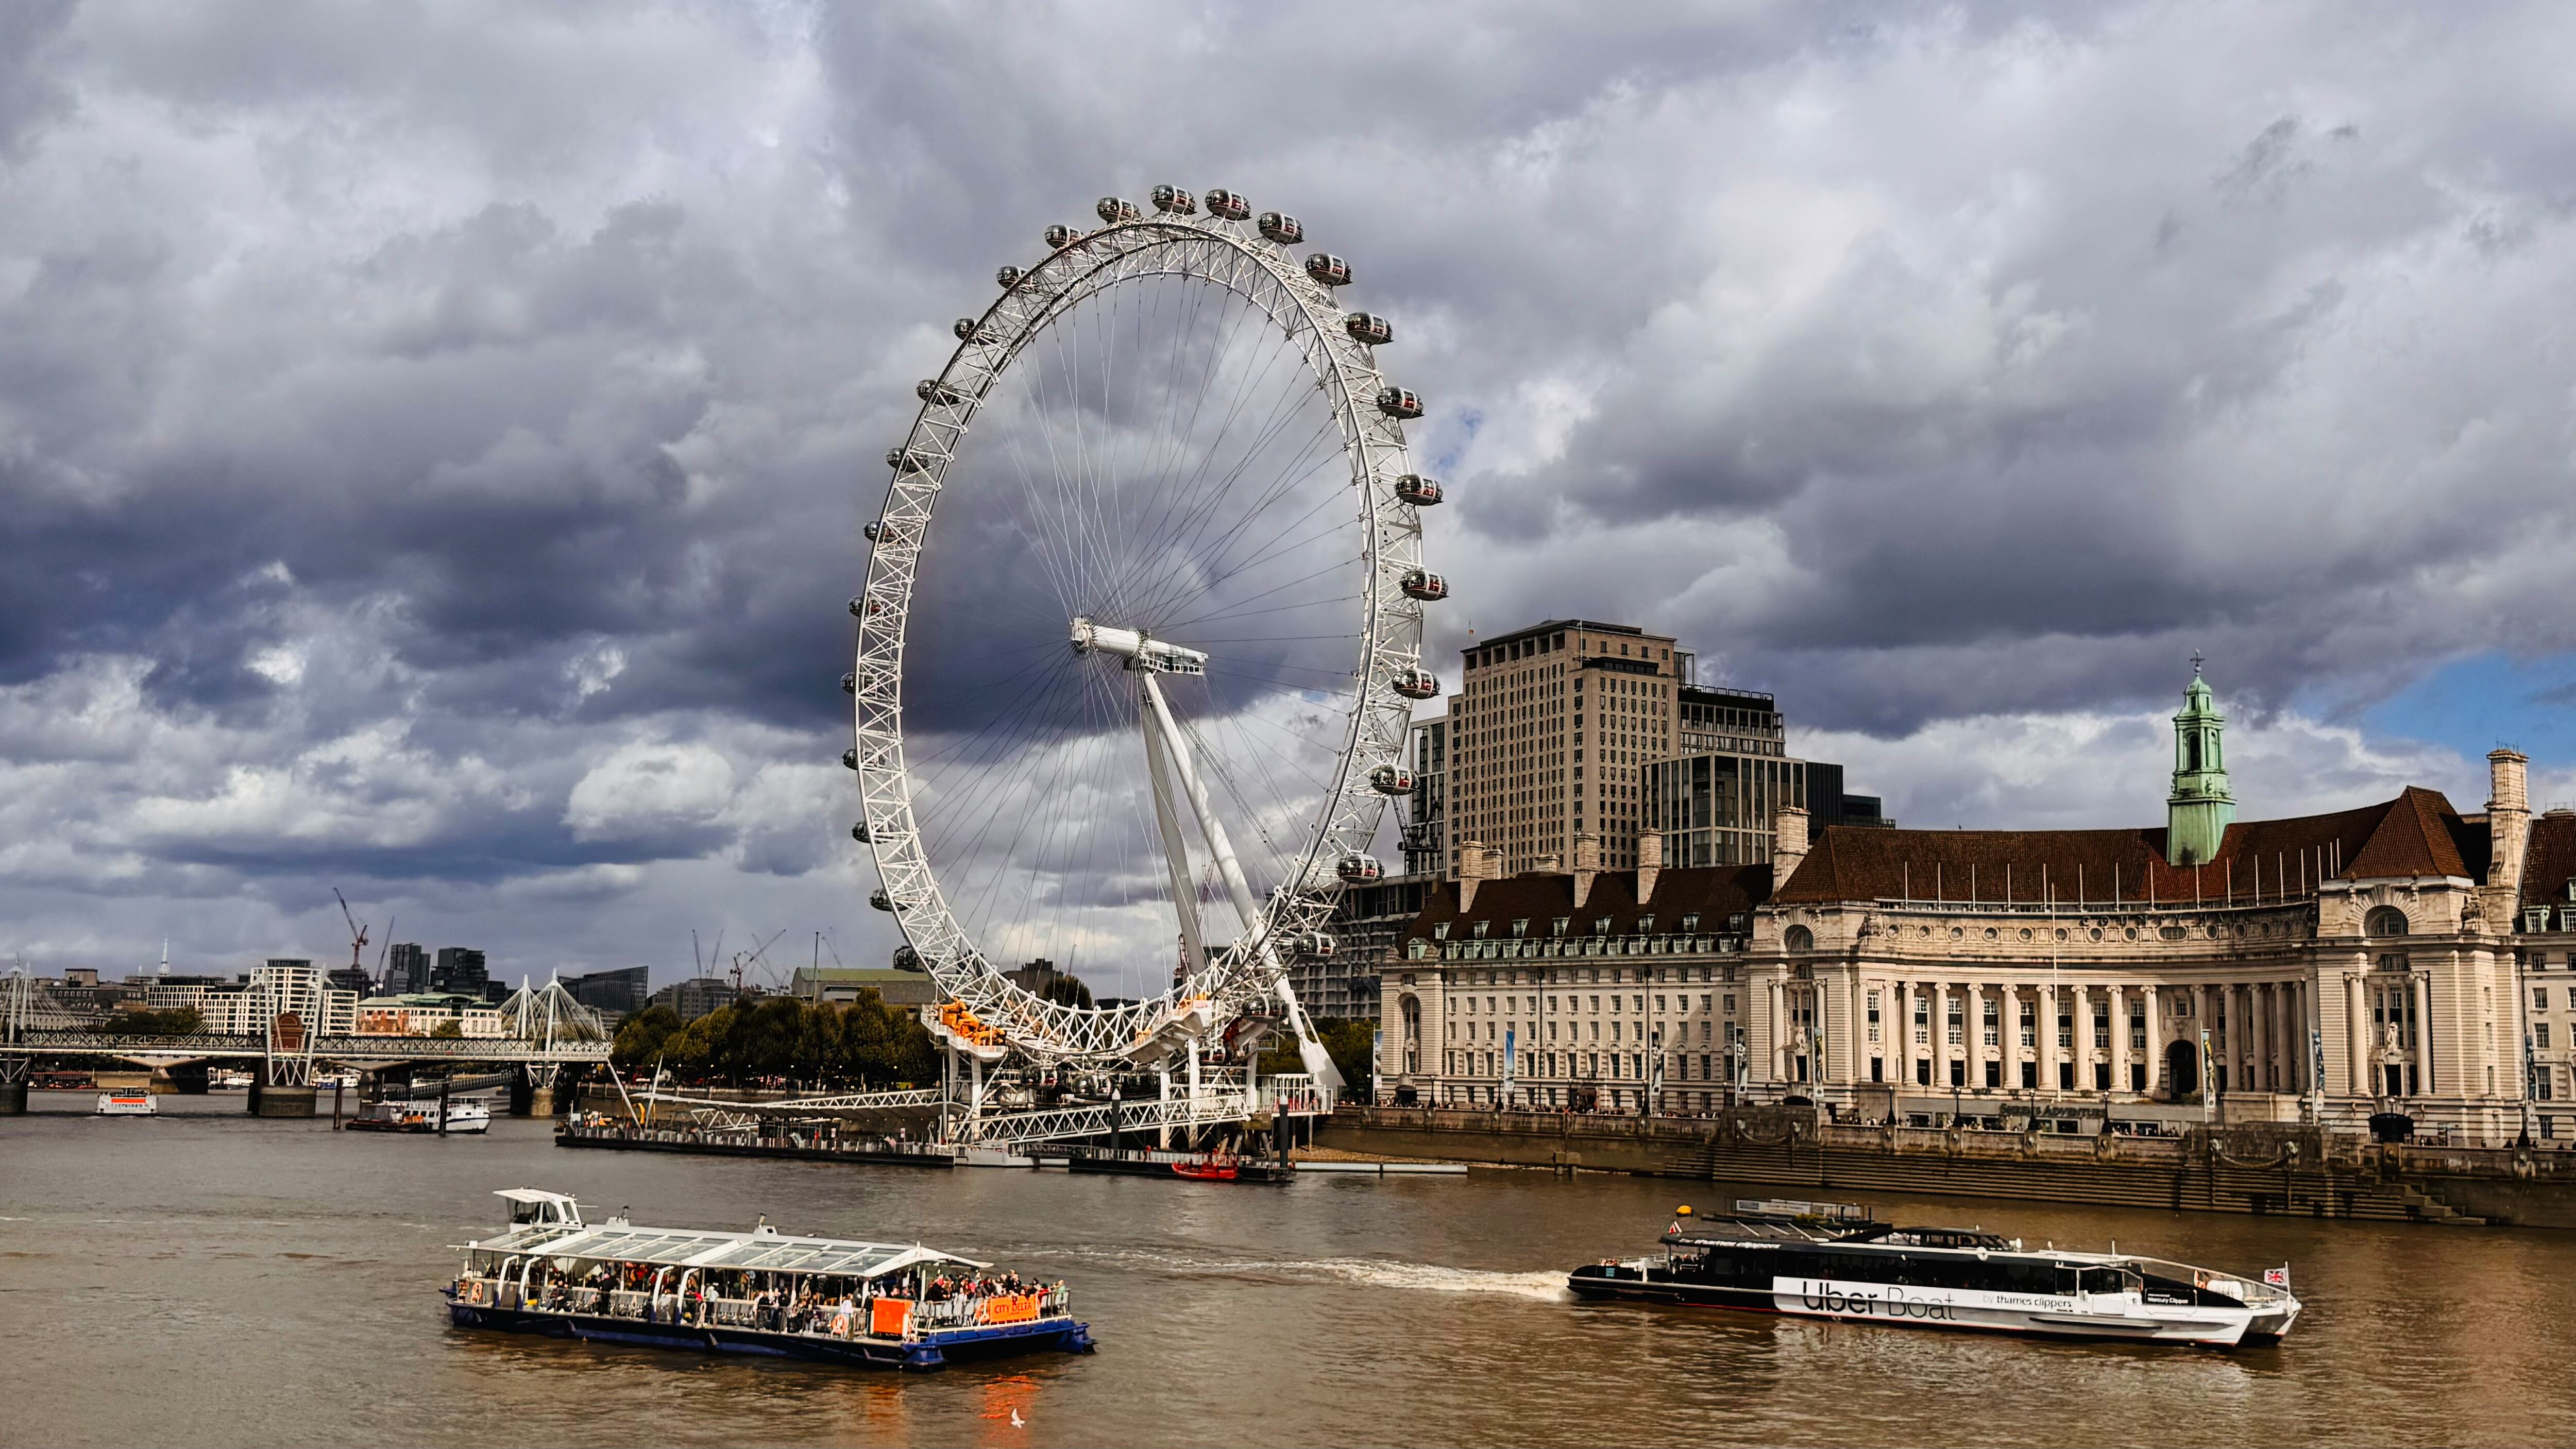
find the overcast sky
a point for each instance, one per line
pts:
(433, 438)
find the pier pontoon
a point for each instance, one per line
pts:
(883, 1305)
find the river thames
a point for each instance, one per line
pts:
(209, 1278)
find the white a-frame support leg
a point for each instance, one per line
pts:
(1319, 1063)
(1176, 851)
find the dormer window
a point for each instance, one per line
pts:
(1559, 925)
(1690, 925)
(1645, 925)
(1440, 931)
(1481, 928)
(1601, 926)
(1520, 928)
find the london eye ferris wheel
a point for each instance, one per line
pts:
(1141, 632)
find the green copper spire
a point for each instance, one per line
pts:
(2200, 809)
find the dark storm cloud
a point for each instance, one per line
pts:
(431, 439)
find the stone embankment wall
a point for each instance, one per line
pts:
(2242, 1169)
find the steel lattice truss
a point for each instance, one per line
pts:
(1231, 255)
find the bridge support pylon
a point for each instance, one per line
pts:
(267, 1100)
(13, 1085)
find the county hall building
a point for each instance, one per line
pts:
(2400, 957)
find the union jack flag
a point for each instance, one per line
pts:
(2277, 1277)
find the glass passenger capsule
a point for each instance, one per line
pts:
(849, 759)
(1060, 236)
(970, 330)
(1282, 228)
(905, 462)
(1416, 684)
(850, 683)
(1417, 490)
(1428, 587)
(1398, 402)
(858, 606)
(907, 959)
(1370, 328)
(1317, 944)
(859, 832)
(1009, 276)
(1224, 203)
(1328, 269)
(1391, 780)
(1174, 200)
(1359, 868)
(879, 899)
(1113, 211)
(931, 389)
(874, 529)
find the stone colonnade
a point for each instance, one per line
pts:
(2082, 1035)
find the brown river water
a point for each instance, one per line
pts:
(208, 1278)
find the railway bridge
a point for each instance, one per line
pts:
(545, 1033)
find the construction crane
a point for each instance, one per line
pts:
(357, 933)
(744, 959)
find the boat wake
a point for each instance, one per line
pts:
(1543, 1286)
(1548, 1287)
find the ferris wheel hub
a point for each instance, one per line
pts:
(1139, 649)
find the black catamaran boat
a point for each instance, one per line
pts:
(1833, 1260)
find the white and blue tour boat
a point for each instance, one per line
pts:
(882, 1305)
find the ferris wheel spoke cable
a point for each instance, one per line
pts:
(1282, 546)
(1245, 386)
(1258, 513)
(1190, 534)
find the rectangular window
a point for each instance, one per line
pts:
(1993, 1024)
(2540, 998)
(2540, 1036)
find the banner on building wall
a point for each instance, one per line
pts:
(1511, 1058)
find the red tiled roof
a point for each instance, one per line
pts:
(2416, 834)
(2549, 861)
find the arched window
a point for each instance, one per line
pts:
(2384, 921)
(1799, 938)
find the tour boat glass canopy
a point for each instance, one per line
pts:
(760, 1250)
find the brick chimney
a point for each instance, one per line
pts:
(1587, 864)
(1650, 865)
(2508, 816)
(1547, 863)
(1477, 863)
(1789, 847)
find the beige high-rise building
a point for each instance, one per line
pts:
(1549, 735)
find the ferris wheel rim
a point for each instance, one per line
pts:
(1257, 270)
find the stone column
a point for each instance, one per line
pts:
(2010, 1018)
(2423, 992)
(1942, 1052)
(2048, 1038)
(2356, 1036)
(2276, 1024)
(2294, 1039)
(1901, 1056)
(2119, 1007)
(1777, 1003)
(2155, 1039)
